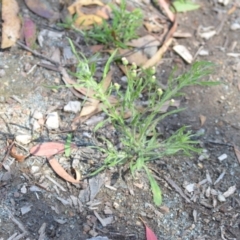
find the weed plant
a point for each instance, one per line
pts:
(121, 29)
(141, 141)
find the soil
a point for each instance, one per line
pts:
(195, 204)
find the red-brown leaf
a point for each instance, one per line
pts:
(42, 8)
(48, 149)
(59, 170)
(29, 32)
(14, 153)
(150, 235)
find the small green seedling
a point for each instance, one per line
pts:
(68, 145)
(141, 142)
(121, 29)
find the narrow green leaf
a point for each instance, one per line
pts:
(68, 145)
(157, 193)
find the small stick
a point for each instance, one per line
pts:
(37, 54)
(7, 154)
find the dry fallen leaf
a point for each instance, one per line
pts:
(18, 156)
(158, 56)
(148, 43)
(29, 32)
(88, 18)
(79, 3)
(42, 8)
(137, 57)
(11, 23)
(150, 235)
(59, 170)
(202, 119)
(48, 148)
(166, 6)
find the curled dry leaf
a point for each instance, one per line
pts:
(92, 16)
(11, 23)
(18, 156)
(42, 8)
(78, 4)
(59, 170)
(78, 174)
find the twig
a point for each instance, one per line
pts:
(18, 223)
(177, 188)
(7, 154)
(37, 54)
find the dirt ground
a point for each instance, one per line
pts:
(36, 204)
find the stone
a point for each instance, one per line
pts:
(72, 106)
(52, 121)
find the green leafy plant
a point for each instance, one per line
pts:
(185, 5)
(121, 29)
(141, 142)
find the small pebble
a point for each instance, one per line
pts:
(23, 139)
(37, 115)
(190, 187)
(221, 198)
(25, 209)
(2, 73)
(35, 169)
(23, 189)
(52, 121)
(72, 106)
(222, 157)
(203, 52)
(235, 26)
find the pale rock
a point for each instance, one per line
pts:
(2, 73)
(23, 138)
(223, 2)
(23, 189)
(34, 169)
(190, 187)
(203, 52)
(73, 106)
(221, 198)
(37, 115)
(52, 121)
(183, 52)
(36, 125)
(235, 26)
(25, 209)
(222, 157)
